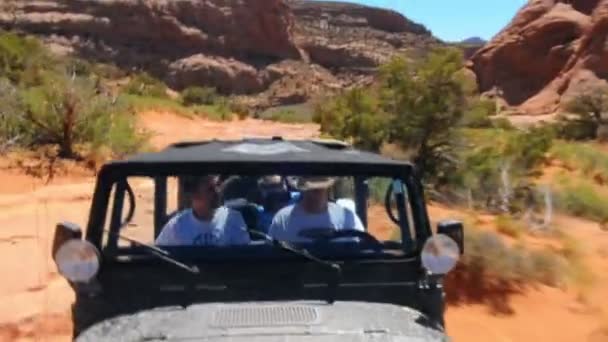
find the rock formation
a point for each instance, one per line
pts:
(280, 51)
(551, 50)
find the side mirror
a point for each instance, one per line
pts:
(65, 231)
(453, 229)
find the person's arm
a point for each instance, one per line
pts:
(168, 235)
(277, 227)
(237, 229)
(352, 220)
(358, 223)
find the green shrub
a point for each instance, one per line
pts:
(588, 109)
(21, 55)
(416, 105)
(582, 199)
(478, 114)
(145, 85)
(355, 115)
(199, 96)
(575, 129)
(502, 123)
(68, 111)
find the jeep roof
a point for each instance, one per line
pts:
(257, 156)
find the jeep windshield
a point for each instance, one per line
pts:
(223, 199)
(234, 215)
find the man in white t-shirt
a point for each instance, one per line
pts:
(206, 223)
(313, 211)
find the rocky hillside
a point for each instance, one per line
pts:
(550, 51)
(273, 51)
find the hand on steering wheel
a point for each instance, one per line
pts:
(329, 234)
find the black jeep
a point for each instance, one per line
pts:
(383, 283)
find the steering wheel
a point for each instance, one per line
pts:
(328, 234)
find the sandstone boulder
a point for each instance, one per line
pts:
(228, 76)
(547, 53)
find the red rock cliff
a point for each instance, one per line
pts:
(551, 50)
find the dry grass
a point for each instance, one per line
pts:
(507, 225)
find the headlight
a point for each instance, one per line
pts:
(440, 254)
(77, 260)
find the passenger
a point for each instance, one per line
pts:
(313, 211)
(274, 195)
(206, 223)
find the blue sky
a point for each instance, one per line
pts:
(454, 20)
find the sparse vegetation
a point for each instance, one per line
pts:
(22, 60)
(199, 96)
(145, 85)
(478, 114)
(589, 116)
(581, 198)
(491, 269)
(416, 106)
(61, 103)
(496, 166)
(587, 157)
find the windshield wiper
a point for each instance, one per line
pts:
(332, 266)
(157, 252)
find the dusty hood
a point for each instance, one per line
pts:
(285, 321)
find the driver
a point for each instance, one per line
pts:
(313, 211)
(206, 223)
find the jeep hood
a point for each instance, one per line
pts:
(277, 321)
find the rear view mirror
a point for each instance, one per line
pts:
(65, 231)
(453, 229)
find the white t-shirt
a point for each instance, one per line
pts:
(289, 221)
(226, 228)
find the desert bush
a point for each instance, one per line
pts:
(426, 101)
(415, 105)
(108, 71)
(581, 199)
(235, 106)
(20, 55)
(486, 255)
(528, 149)
(199, 96)
(69, 111)
(478, 113)
(586, 157)
(11, 109)
(569, 128)
(502, 123)
(145, 85)
(548, 268)
(590, 113)
(497, 164)
(356, 116)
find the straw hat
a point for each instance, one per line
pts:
(314, 183)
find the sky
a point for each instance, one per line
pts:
(455, 20)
